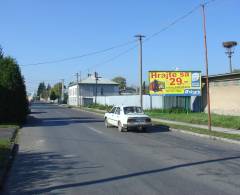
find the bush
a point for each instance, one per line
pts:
(170, 110)
(13, 98)
(99, 106)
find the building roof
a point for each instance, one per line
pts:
(92, 80)
(221, 77)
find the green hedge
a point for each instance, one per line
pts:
(13, 98)
(99, 106)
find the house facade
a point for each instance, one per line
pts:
(90, 89)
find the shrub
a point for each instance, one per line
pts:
(13, 98)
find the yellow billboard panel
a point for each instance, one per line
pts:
(178, 83)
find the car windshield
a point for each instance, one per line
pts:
(132, 109)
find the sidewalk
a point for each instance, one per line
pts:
(218, 129)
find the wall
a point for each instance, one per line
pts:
(72, 95)
(89, 90)
(225, 97)
(148, 101)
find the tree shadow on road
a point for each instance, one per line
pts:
(39, 170)
(36, 171)
(37, 112)
(59, 121)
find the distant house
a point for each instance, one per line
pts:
(90, 88)
(128, 91)
(224, 94)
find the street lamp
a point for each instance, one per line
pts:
(229, 45)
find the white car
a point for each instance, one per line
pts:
(126, 117)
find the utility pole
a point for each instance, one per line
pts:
(62, 96)
(139, 37)
(206, 62)
(96, 91)
(79, 93)
(77, 75)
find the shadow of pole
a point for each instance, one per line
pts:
(110, 179)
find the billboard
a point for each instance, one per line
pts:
(175, 83)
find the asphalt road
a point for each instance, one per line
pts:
(65, 151)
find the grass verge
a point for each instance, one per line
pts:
(232, 122)
(5, 149)
(202, 131)
(9, 126)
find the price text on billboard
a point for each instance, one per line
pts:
(176, 83)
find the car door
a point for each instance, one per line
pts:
(111, 116)
(116, 116)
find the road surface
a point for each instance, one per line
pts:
(65, 151)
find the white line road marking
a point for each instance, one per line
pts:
(95, 130)
(69, 156)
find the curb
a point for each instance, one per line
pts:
(206, 136)
(95, 111)
(8, 164)
(224, 130)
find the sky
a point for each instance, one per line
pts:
(48, 30)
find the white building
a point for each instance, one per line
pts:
(89, 89)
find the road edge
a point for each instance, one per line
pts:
(101, 113)
(10, 159)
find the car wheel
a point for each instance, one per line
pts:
(120, 128)
(144, 129)
(106, 123)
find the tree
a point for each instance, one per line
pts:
(53, 95)
(1, 52)
(145, 88)
(41, 90)
(48, 90)
(57, 88)
(13, 98)
(121, 81)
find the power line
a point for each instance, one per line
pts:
(173, 23)
(112, 58)
(80, 56)
(179, 19)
